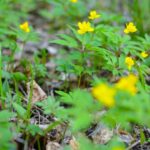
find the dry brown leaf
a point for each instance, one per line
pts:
(102, 135)
(53, 146)
(38, 93)
(74, 145)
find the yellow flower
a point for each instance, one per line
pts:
(93, 15)
(118, 148)
(144, 54)
(74, 1)
(130, 28)
(25, 27)
(128, 83)
(129, 62)
(104, 94)
(84, 27)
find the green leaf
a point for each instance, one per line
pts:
(18, 76)
(65, 41)
(20, 110)
(49, 105)
(5, 115)
(71, 40)
(6, 74)
(34, 129)
(142, 137)
(81, 107)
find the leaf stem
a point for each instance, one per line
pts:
(1, 84)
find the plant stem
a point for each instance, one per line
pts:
(82, 62)
(38, 142)
(26, 143)
(51, 126)
(63, 135)
(1, 84)
(141, 77)
(31, 93)
(79, 80)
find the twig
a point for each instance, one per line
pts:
(134, 144)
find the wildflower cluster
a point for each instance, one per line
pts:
(84, 26)
(130, 62)
(106, 94)
(98, 51)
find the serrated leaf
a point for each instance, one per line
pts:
(20, 110)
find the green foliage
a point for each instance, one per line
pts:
(65, 40)
(34, 130)
(19, 76)
(49, 105)
(125, 106)
(92, 59)
(20, 110)
(6, 134)
(81, 109)
(64, 11)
